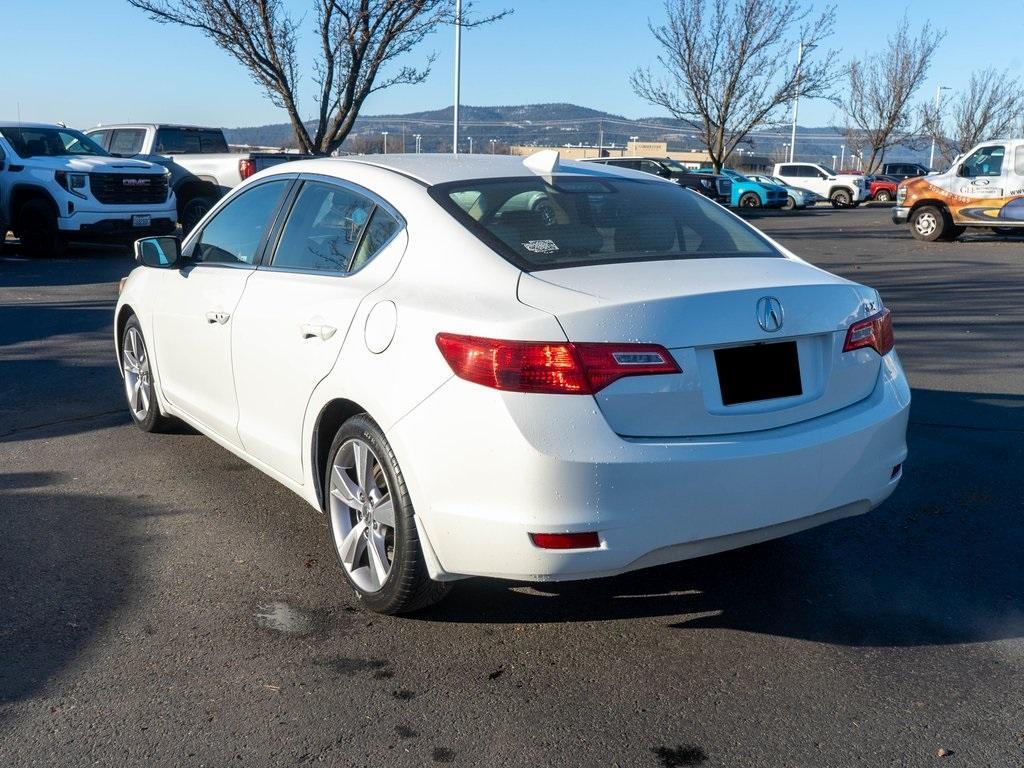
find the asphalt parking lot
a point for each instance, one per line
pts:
(165, 604)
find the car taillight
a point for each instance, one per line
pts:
(551, 367)
(874, 332)
(246, 168)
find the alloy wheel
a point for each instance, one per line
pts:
(362, 515)
(138, 383)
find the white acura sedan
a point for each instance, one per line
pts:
(484, 366)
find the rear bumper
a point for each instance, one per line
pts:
(486, 469)
(900, 215)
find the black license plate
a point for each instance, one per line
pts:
(758, 372)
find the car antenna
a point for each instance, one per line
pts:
(545, 161)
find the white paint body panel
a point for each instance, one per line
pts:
(485, 468)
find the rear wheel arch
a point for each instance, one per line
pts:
(332, 415)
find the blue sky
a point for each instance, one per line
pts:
(104, 61)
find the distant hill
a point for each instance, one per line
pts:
(547, 125)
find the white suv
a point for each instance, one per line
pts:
(844, 190)
(56, 185)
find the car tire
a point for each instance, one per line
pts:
(750, 200)
(790, 203)
(38, 230)
(884, 196)
(192, 211)
(841, 198)
(372, 522)
(1007, 231)
(930, 224)
(139, 386)
(953, 231)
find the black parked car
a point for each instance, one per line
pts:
(718, 188)
(904, 171)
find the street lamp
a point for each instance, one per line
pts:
(796, 95)
(385, 135)
(493, 142)
(834, 161)
(938, 99)
(458, 63)
(842, 156)
(417, 137)
(471, 145)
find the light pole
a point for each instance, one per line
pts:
(796, 97)
(493, 142)
(833, 161)
(471, 145)
(842, 155)
(385, 135)
(785, 151)
(938, 100)
(417, 137)
(458, 62)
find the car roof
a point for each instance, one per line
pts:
(158, 126)
(19, 124)
(433, 169)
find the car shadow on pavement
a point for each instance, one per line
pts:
(940, 562)
(67, 563)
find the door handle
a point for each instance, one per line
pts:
(313, 330)
(217, 317)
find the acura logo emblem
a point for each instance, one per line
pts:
(769, 314)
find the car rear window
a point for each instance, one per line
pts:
(551, 223)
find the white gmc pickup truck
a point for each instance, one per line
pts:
(202, 169)
(57, 185)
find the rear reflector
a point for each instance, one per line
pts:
(552, 367)
(566, 540)
(874, 332)
(246, 168)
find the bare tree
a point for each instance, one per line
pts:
(881, 88)
(991, 107)
(731, 66)
(356, 40)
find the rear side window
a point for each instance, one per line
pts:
(324, 229)
(379, 231)
(189, 141)
(1018, 161)
(126, 141)
(539, 223)
(790, 170)
(236, 231)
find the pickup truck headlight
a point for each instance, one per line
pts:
(75, 183)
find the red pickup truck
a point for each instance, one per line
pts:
(882, 189)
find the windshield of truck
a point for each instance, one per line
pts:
(190, 141)
(51, 142)
(550, 223)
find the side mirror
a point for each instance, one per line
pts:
(822, 175)
(961, 170)
(160, 252)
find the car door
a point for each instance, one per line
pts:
(982, 175)
(194, 307)
(336, 245)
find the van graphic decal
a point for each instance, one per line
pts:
(968, 205)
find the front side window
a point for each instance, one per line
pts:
(51, 142)
(234, 234)
(324, 228)
(127, 141)
(987, 161)
(570, 221)
(100, 137)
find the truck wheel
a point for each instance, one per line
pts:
(884, 196)
(929, 223)
(953, 231)
(750, 200)
(38, 230)
(192, 211)
(841, 198)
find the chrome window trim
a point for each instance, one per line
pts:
(373, 197)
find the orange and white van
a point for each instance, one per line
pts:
(984, 188)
